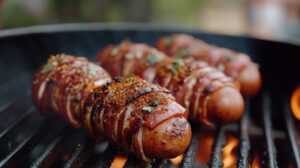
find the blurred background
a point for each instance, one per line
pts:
(270, 19)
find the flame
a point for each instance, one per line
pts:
(205, 143)
(295, 103)
(256, 161)
(177, 160)
(119, 161)
(229, 154)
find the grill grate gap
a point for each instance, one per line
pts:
(27, 114)
(267, 123)
(293, 136)
(82, 154)
(56, 146)
(22, 150)
(49, 155)
(15, 135)
(108, 156)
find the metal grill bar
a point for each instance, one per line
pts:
(82, 154)
(293, 136)
(160, 163)
(53, 152)
(27, 114)
(215, 160)
(244, 139)
(22, 150)
(190, 154)
(15, 134)
(49, 155)
(267, 122)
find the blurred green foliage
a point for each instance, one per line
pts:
(19, 13)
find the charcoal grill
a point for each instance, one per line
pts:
(28, 139)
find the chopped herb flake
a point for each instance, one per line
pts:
(152, 59)
(182, 53)
(61, 59)
(179, 61)
(174, 67)
(92, 73)
(129, 74)
(155, 103)
(229, 58)
(47, 68)
(168, 41)
(147, 109)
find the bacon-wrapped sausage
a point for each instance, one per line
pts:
(140, 117)
(210, 96)
(239, 66)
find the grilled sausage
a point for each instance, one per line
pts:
(236, 65)
(210, 96)
(129, 112)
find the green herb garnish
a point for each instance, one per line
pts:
(155, 103)
(47, 68)
(152, 59)
(61, 59)
(92, 73)
(174, 67)
(230, 58)
(168, 41)
(128, 74)
(147, 109)
(182, 53)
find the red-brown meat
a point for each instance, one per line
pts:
(239, 66)
(126, 111)
(210, 96)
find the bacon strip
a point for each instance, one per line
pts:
(119, 109)
(192, 82)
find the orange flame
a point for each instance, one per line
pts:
(119, 161)
(256, 161)
(177, 160)
(229, 154)
(295, 103)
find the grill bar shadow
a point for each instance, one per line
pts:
(267, 123)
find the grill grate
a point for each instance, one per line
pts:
(31, 140)
(244, 139)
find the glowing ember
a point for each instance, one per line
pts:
(295, 103)
(229, 151)
(177, 160)
(205, 143)
(256, 161)
(119, 161)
